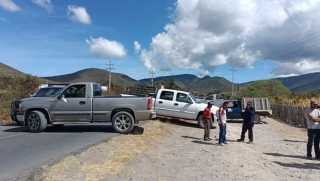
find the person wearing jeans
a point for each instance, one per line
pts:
(248, 122)
(312, 115)
(222, 121)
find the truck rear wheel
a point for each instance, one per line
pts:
(122, 122)
(201, 124)
(36, 121)
(257, 119)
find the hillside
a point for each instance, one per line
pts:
(184, 80)
(96, 75)
(301, 83)
(6, 70)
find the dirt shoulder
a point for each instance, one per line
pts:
(177, 152)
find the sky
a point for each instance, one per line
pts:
(259, 39)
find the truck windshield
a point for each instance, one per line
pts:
(194, 99)
(48, 92)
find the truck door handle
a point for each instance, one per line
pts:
(176, 104)
(82, 102)
(160, 102)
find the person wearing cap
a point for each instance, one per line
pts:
(222, 121)
(207, 119)
(248, 122)
(312, 115)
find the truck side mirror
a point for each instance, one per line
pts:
(189, 100)
(60, 96)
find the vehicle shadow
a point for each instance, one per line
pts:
(289, 156)
(314, 166)
(174, 121)
(137, 130)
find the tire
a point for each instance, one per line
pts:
(201, 124)
(122, 122)
(36, 122)
(257, 119)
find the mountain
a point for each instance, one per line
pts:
(191, 82)
(96, 75)
(6, 70)
(302, 83)
(184, 80)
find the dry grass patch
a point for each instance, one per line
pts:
(108, 158)
(5, 117)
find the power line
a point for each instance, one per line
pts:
(109, 69)
(267, 55)
(290, 47)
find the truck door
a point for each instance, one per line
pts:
(184, 107)
(74, 106)
(164, 103)
(234, 110)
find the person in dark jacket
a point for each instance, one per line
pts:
(248, 122)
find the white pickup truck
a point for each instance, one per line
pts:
(180, 104)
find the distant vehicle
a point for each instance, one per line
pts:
(236, 107)
(80, 103)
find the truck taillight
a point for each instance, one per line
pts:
(149, 104)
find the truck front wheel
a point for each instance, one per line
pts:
(122, 122)
(36, 121)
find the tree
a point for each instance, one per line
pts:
(266, 88)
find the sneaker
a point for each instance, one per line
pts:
(250, 142)
(221, 144)
(225, 143)
(240, 140)
(206, 139)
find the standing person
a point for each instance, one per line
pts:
(222, 120)
(207, 120)
(312, 115)
(248, 122)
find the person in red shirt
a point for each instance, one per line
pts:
(207, 120)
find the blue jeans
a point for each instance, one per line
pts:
(313, 139)
(222, 133)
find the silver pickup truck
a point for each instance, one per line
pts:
(83, 103)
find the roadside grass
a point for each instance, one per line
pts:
(108, 158)
(5, 118)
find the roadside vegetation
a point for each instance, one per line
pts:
(14, 88)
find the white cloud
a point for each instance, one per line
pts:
(137, 46)
(46, 4)
(205, 34)
(101, 47)
(79, 14)
(9, 5)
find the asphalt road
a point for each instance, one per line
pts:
(22, 152)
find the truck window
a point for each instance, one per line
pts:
(233, 104)
(75, 91)
(97, 90)
(181, 97)
(166, 95)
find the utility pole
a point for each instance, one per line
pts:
(109, 69)
(233, 70)
(152, 73)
